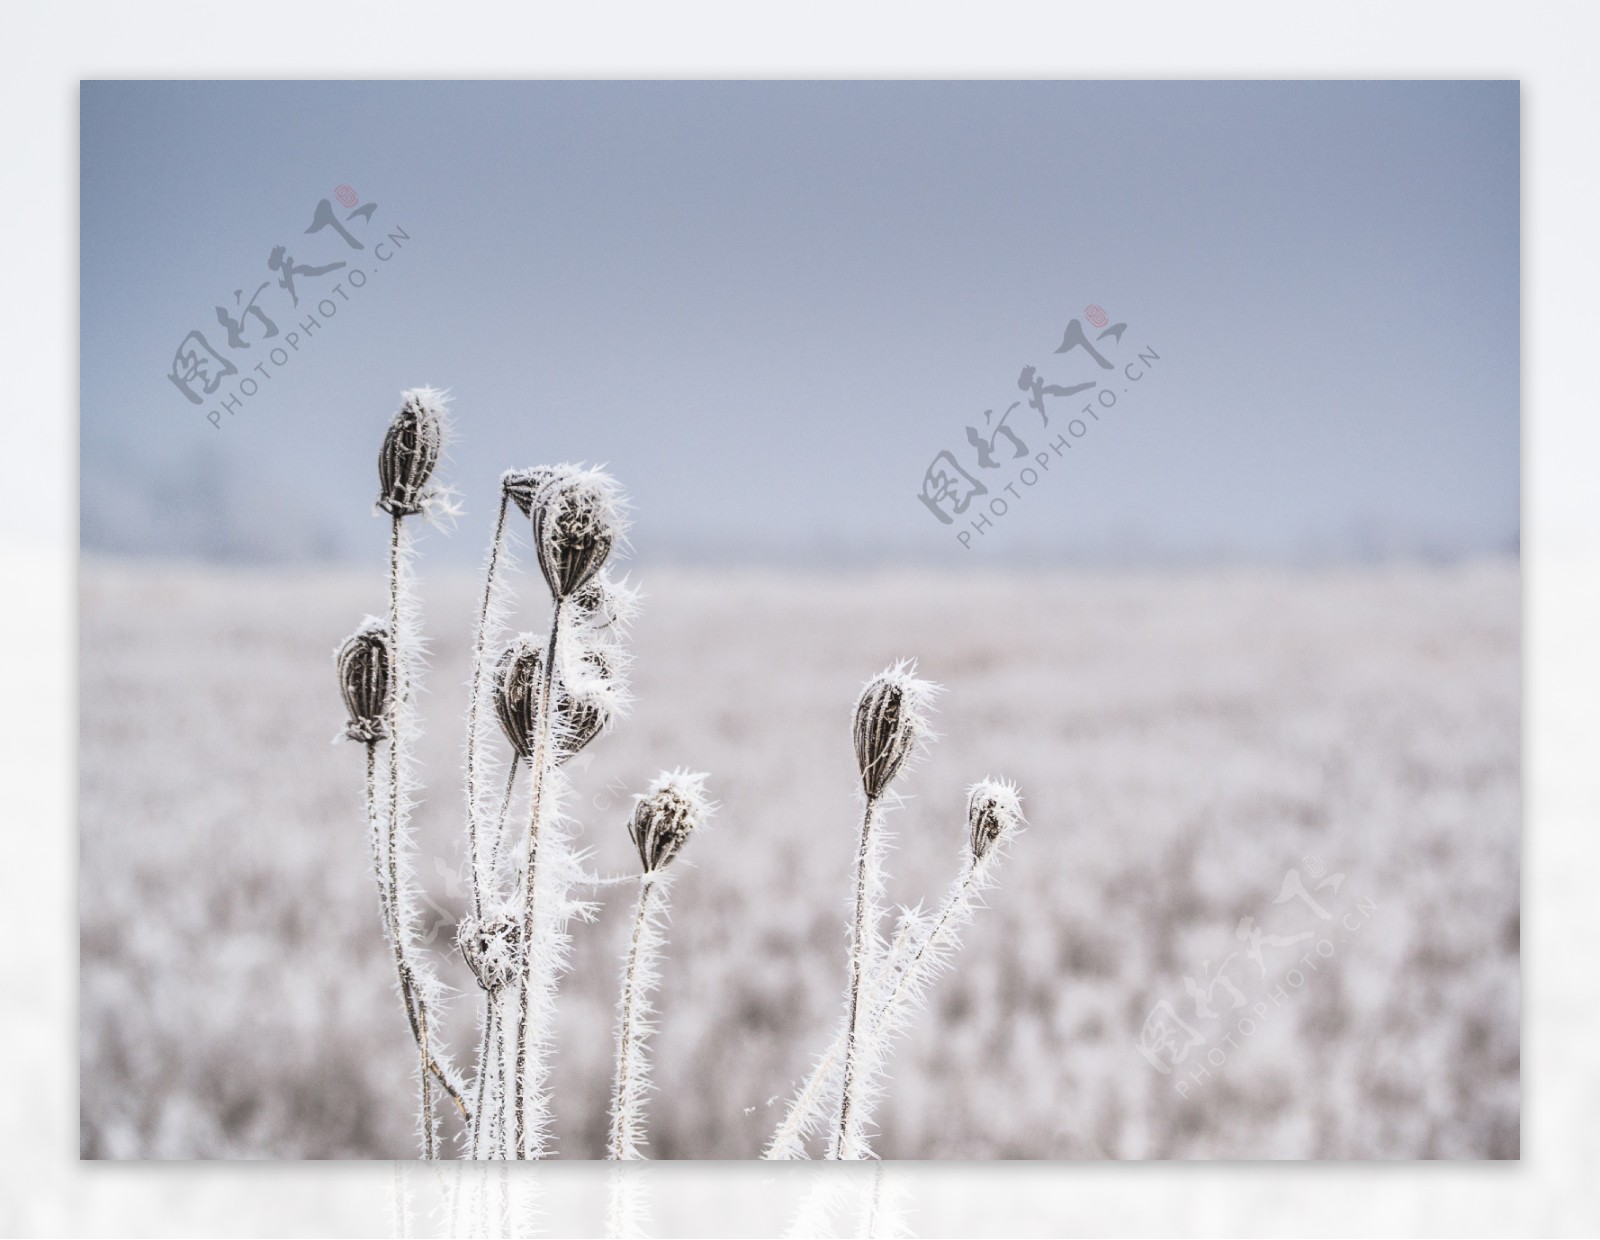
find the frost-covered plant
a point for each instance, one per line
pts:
(535, 701)
(663, 819)
(550, 696)
(578, 518)
(378, 667)
(888, 982)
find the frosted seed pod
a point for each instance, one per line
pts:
(516, 691)
(665, 816)
(577, 520)
(492, 949)
(522, 485)
(890, 724)
(365, 676)
(993, 811)
(410, 452)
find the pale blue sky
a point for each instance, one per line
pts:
(769, 305)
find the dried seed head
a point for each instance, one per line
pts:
(584, 709)
(516, 691)
(523, 485)
(891, 722)
(581, 720)
(577, 520)
(605, 602)
(492, 949)
(411, 451)
(364, 680)
(664, 816)
(993, 811)
(589, 604)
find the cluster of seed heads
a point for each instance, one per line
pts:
(550, 713)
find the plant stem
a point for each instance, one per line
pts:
(537, 763)
(806, 1101)
(385, 908)
(415, 1006)
(955, 902)
(858, 960)
(375, 832)
(501, 1136)
(622, 1102)
(480, 673)
(500, 821)
(430, 1150)
(398, 691)
(486, 1048)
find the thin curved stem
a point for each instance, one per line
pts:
(806, 1102)
(858, 960)
(480, 673)
(538, 761)
(500, 820)
(486, 1046)
(415, 1006)
(955, 902)
(399, 690)
(430, 1136)
(375, 831)
(622, 1103)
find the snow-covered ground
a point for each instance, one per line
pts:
(1183, 741)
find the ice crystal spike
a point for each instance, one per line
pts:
(492, 949)
(410, 452)
(993, 811)
(890, 723)
(577, 519)
(516, 691)
(365, 675)
(665, 816)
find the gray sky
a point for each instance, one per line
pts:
(768, 306)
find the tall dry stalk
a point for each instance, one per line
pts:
(923, 947)
(663, 818)
(411, 450)
(887, 982)
(890, 727)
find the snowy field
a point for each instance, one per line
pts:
(1333, 755)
